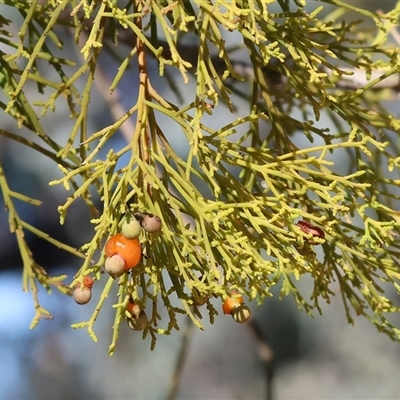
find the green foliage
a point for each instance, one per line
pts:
(240, 233)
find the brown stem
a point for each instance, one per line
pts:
(144, 139)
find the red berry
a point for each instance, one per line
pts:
(230, 303)
(129, 249)
(88, 281)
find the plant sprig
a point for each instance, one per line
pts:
(228, 207)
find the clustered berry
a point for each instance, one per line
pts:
(234, 306)
(123, 252)
(131, 227)
(83, 293)
(135, 316)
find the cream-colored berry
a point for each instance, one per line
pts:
(131, 228)
(115, 265)
(82, 295)
(150, 223)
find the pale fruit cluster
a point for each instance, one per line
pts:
(234, 306)
(123, 252)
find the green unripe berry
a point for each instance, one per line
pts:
(131, 228)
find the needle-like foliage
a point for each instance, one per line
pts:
(228, 207)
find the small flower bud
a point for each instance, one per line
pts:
(131, 228)
(82, 295)
(115, 265)
(88, 281)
